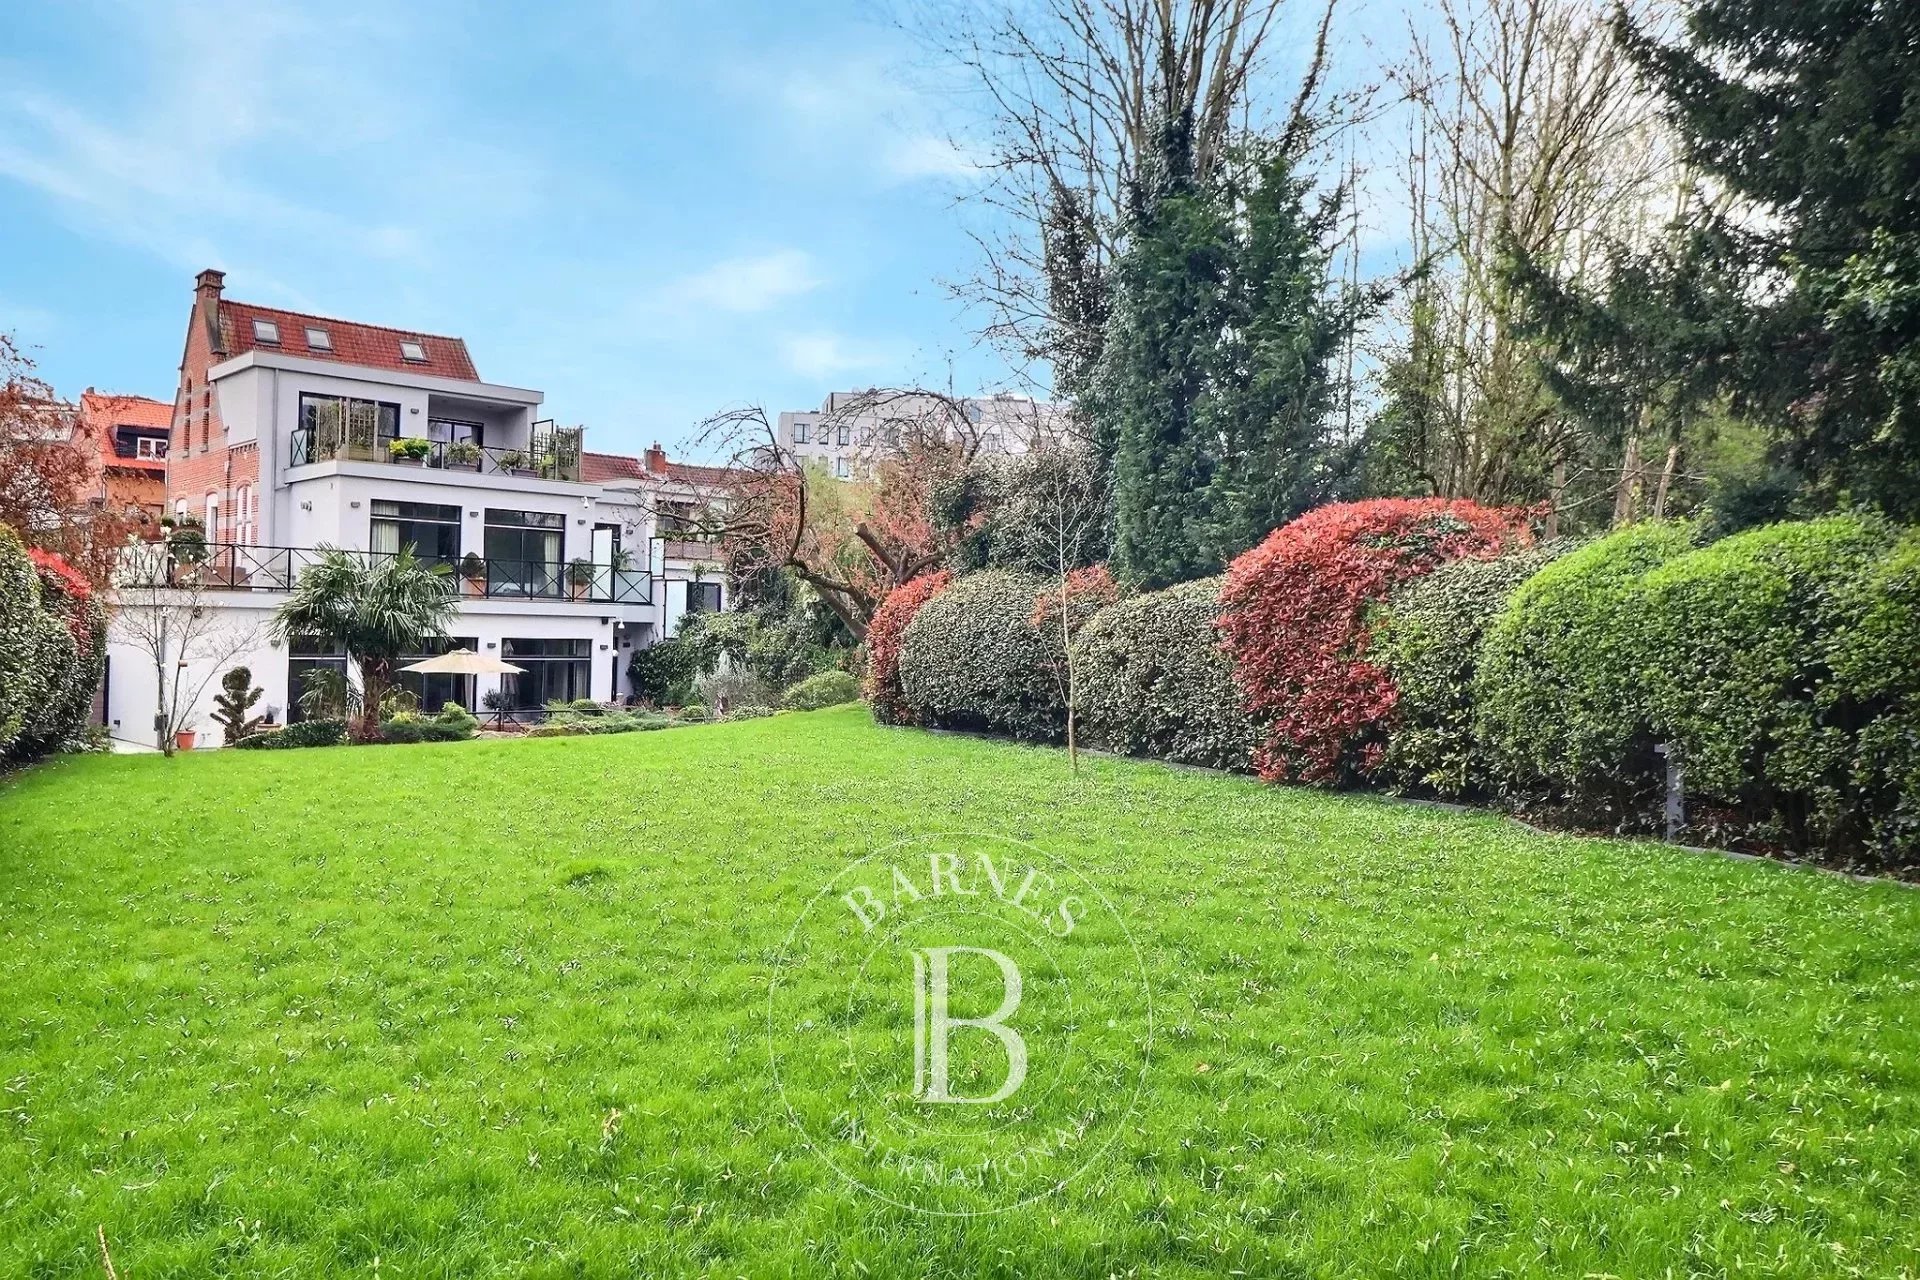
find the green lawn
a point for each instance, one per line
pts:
(296, 1013)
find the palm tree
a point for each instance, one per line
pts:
(376, 608)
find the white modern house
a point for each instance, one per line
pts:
(852, 426)
(294, 432)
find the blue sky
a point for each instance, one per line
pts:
(648, 211)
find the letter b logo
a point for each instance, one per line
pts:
(932, 1025)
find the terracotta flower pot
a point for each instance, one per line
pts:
(185, 739)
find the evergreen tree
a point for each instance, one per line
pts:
(1166, 314)
(1213, 389)
(1806, 115)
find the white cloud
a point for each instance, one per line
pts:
(824, 354)
(928, 155)
(754, 283)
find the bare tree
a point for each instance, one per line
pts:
(161, 609)
(852, 538)
(1076, 95)
(1530, 137)
(1069, 509)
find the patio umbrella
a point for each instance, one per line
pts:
(465, 662)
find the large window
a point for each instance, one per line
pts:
(703, 597)
(336, 427)
(305, 658)
(436, 691)
(432, 530)
(454, 431)
(523, 552)
(555, 670)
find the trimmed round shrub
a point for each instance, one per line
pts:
(693, 713)
(1427, 640)
(1876, 679)
(828, 689)
(1557, 680)
(52, 650)
(1295, 624)
(973, 659)
(885, 633)
(1153, 680)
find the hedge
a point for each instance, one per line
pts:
(1876, 675)
(1557, 671)
(52, 650)
(828, 689)
(885, 633)
(308, 733)
(1295, 622)
(1153, 680)
(1733, 643)
(973, 659)
(1427, 640)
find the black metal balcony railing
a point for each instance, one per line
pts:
(232, 566)
(554, 453)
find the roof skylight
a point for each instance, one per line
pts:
(319, 340)
(266, 331)
(414, 351)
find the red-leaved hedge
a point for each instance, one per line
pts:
(1294, 622)
(884, 634)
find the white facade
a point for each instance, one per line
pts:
(852, 426)
(529, 594)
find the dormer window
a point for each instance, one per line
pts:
(266, 331)
(319, 340)
(149, 447)
(413, 352)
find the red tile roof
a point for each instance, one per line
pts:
(102, 411)
(597, 468)
(369, 345)
(694, 473)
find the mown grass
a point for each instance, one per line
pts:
(313, 1013)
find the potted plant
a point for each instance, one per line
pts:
(580, 573)
(185, 737)
(511, 460)
(409, 449)
(473, 570)
(463, 453)
(187, 543)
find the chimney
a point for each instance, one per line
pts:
(206, 303)
(656, 460)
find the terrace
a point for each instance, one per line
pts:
(552, 452)
(185, 561)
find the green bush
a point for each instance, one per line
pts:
(1558, 679)
(973, 659)
(1876, 679)
(1428, 640)
(52, 651)
(308, 733)
(452, 713)
(402, 729)
(565, 729)
(585, 707)
(828, 689)
(1153, 681)
(750, 713)
(1734, 643)
(692, 713)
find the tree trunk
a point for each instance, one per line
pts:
(1666, 481)
(373, 690)
(1629, 476)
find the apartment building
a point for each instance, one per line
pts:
(851, 427)
(290, 432)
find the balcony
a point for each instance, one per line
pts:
(230, 566)
(552, 454)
